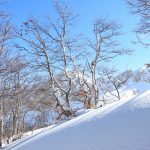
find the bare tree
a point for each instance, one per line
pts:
(141, 8)
(18, 87)
(105, 47)
(18, 80)
(54, 51)
(111, 82)
(5, 36)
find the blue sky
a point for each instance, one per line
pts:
(88, 11)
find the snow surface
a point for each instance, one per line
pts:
(123, 125)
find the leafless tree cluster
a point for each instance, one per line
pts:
(111, 82)
(55, 52)
(105, 47)
(5, 36)
(50, 69)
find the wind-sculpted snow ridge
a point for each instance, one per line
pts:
(123, 125)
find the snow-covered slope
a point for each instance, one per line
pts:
(140, 80)
(123, 125)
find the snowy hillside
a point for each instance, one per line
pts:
(140, 80)
(62, 80)
(137, 82)
(123, 125)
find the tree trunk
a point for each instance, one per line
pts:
(1, 122)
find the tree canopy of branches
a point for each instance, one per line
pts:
(105, 46)
(111, 82)
(50, 69)
(5, 36)
(141, 8)
(54, 50)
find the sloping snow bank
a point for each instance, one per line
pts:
(123, 125)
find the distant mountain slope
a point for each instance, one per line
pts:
(123, 125)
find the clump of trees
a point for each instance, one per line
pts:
(51, 68)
